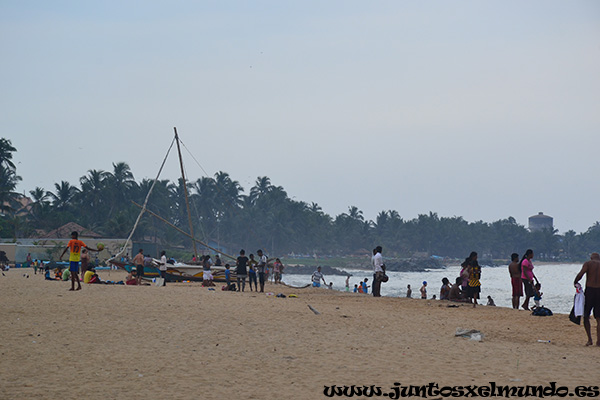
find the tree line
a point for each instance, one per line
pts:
(266, 217)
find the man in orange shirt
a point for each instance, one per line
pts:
(74, 246)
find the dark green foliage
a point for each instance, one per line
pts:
(264, 218)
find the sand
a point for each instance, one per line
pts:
(186, 342)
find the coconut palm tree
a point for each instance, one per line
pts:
(261, 187)
(63, 196)
(6, 150)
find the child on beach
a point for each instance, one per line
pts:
(355, 288)
(423, 290)
(537, 295)
(365, 287)
(227, 276)
(74, 248)
(252, 272)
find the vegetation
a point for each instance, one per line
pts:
(264, 217)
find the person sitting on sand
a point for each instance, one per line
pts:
(445, 289)
(455, 292)
(47, 273)
(491, 302)
(66, 275)
(131, 278)
(423, 290)
(316, 278)
(88, 275)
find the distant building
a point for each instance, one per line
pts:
(540, 222)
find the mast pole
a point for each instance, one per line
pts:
(187, 201)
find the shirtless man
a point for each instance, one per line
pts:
(515, 280)
(592, 295)
(138, 261)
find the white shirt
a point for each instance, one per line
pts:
(377, 262)
(317, 276)
(163, 263)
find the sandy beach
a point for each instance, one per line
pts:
(186, 342)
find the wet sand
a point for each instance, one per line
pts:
(186, 342)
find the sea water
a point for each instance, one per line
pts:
(556, 280)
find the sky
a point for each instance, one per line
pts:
(479, 109)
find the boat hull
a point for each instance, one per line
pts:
(179, 272)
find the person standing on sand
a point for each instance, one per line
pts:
(591, 270)
(408, 291)
(138, 261)
(515, 280)
(85, 262)
(277, 270)
(162, 268)
(316, 278)
(527, 276)
(252, 272)
(261, 268)
(365, 287)
(474, 285)
(423, 290)
(74, 246)
(241, 270)
(378, 271)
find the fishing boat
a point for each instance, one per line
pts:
(176, 272)
(179, 272)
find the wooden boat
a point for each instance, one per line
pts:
(179, 272)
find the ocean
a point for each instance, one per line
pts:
(556, 280)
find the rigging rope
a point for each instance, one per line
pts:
(139, 217)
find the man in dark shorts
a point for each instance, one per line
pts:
(515, 280)
(241, 270)
(591, 269)
(138, 261)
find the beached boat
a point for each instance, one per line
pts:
(179, 272)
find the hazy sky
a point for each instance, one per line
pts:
(483, 109)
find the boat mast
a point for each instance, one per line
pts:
(187, 201)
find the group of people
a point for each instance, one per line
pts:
(252, 268)
(521, 279)
(258, 271)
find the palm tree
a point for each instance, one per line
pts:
(120, 184)
(261, 187)
(6, 150)
(8, 177)
(63, 196)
